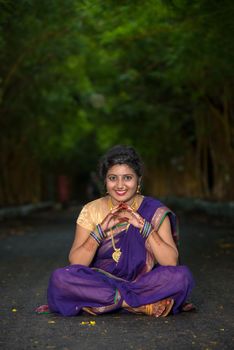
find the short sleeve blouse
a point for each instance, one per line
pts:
(92, 214)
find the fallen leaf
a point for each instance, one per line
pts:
(90, 323)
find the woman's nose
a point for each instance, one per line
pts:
(120, 183)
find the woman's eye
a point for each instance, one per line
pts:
(112, 178)
(127, 177)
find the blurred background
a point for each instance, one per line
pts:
(77, 77)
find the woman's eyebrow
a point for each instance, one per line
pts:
(120, 175)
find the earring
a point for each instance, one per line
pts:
(105, 189)
(138, 189)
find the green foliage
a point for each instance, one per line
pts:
(79, 76)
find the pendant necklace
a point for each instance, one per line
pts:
(117, 252)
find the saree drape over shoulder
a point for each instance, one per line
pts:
(136, 278)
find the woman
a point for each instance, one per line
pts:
(124, 254)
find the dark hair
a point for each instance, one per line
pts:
(120, 154)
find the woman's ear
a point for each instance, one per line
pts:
(139, 186)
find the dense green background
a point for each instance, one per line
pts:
(77, 77)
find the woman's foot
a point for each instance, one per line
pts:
(188, 307)
(43, 309)
(159, 309)
(89, 310)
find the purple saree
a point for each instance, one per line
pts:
(135, 278)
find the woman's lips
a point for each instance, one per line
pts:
(120, 193)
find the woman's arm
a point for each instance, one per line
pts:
(163, 245)
(84, 247)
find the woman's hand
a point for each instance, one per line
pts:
(112, 219)
(125, 212)
(119, 214)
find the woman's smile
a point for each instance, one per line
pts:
(121, 183)
(120, 192)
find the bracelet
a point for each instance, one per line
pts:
(100, 232)
(95, 237)
(146, 229)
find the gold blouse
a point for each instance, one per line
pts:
(93, 213)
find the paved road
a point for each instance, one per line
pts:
(31, 248)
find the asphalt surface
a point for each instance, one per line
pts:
(32, 247)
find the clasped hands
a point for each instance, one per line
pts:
(123, 213)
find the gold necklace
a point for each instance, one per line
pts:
(133, 205)
(117, 252)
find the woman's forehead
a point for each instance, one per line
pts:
(120, 169)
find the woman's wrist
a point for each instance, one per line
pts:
(98, 234)
(101, 233)
(146, 229)
(95, 237)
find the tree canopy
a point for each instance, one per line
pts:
(77, 77)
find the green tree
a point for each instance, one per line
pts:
(78, 77)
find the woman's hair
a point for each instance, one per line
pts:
(120, 154)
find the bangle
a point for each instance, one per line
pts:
(100, 232)
(146, 229)
(95, 237)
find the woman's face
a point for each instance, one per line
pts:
(121, 183)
